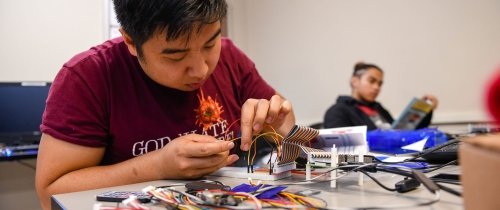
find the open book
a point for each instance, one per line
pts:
(412, 115)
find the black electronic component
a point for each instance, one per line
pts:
(442, 153)
(406, 185)
(428, 183)
(193, 187)
(355, 158)
(119, 196)
(446, 177)
(218, 198)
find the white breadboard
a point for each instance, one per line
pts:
(280, 168)
(241, 172)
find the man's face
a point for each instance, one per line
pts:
(367, 86)
(179, 64)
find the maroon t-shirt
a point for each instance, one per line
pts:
(103, 98)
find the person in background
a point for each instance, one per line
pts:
(361, 108)
(167, 100)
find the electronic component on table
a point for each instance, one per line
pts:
(258, 174)
(218, 198)
(428, 183)
(280, 168)
(193, 187)
(323, 159)
(443, 155)
(119, 196)
(446, 177)
(308, 192)
(406, 185)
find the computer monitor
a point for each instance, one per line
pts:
(21, 108)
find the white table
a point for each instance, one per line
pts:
(347, 194)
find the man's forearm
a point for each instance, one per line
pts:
(139, 169)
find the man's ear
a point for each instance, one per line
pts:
(354, 81)
(129, 42)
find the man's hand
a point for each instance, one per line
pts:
(432, 99)
(256, 113)
(193, 156)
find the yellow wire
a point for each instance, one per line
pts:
(274, 137)
(254, 142)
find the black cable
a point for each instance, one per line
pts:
(408, 174)
(403, 173)
(367, 165)
(449, 190)
(376, 181)
(431, 165)
(216, 181)
(441, 166)
(350, 169)
(431, 150)
(171, 185)
(269, 162)
(442, 187)
(423, 153)
(395, 171)
(446, 181)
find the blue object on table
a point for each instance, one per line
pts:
(268, 194)
(412, 165)
(404, 141)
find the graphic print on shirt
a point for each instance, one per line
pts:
(208, 117)
(209, 111)
(375, 117)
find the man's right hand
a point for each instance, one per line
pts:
(193, 156)
(432, 99)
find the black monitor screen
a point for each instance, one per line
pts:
(21, 106)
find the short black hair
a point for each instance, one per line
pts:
(360, 68)
(141, 19)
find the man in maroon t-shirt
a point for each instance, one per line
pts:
(155, 103)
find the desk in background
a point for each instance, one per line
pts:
(347, 194)
(467, 127)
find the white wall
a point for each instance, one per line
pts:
(38, 36)
(307, 49)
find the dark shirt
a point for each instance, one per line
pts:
(346, 112)
(103, 98)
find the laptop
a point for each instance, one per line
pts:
(21, 108)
